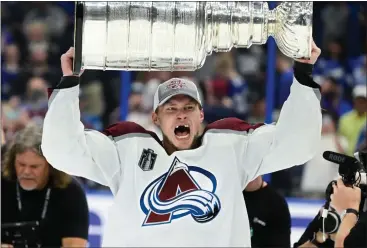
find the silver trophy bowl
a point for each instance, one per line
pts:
(177, 36)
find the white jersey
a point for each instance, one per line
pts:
(191, 198)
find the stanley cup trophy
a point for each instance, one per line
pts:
(177, 36)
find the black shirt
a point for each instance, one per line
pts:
(358, 234)
(269, 217)
(67, 212)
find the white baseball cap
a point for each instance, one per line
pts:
(174, 87)
(360, 91)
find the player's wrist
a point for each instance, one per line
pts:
(303, 74)
(68, 82)
(303, 67)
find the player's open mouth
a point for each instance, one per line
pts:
(182, 131)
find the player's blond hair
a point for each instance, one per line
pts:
(30, 138)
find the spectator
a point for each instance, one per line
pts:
(148, 94)
(6, 36)
(333, 98)
(36, 100)
(318, 172)
(14, 117)
(258, 108)
(249, 60)
(92, 104)
(352, 123)
(49, 14)
(331, 64)
(358, 67)
(38, 66)
(10, 69)
(229, 87)
(362, 139)
(334, 18)
(35, 191)
(137, 113)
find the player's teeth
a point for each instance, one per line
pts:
(183, 137)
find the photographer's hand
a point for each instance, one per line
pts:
(345, 197)
(317, 240)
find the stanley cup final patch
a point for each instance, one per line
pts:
(147, 159)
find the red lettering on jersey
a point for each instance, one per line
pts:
(178, 181)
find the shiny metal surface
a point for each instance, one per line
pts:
(173, 36)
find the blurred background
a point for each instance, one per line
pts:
(35, 34)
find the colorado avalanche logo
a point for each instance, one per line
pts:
(176, 194)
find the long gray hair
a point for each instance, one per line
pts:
(30, 138)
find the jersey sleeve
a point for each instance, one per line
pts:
(296, 136)
(70, 148)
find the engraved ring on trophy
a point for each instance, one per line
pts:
(177, 36)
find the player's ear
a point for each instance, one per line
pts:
(155, 118)
(201, 115)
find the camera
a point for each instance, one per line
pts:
(21, 234)
(352, 171)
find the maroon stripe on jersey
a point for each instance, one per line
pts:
(127, 127)
(234, 124)
(49, 92)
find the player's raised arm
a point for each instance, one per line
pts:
(66, 145)
(296, 136)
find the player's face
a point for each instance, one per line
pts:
(32, 170)
(180, 121)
